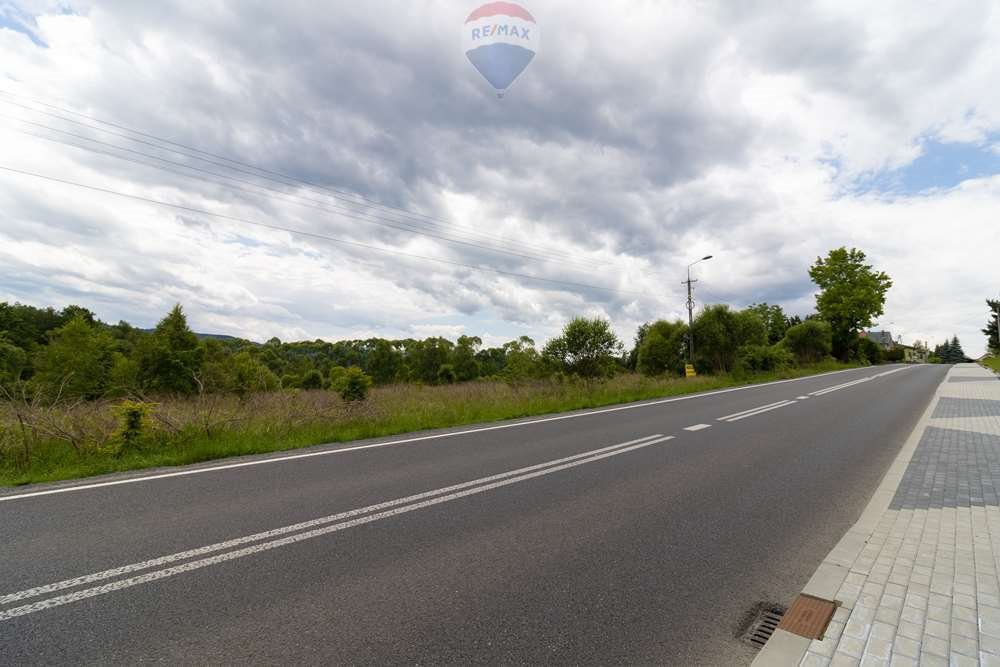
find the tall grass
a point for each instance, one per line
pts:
(42, 441)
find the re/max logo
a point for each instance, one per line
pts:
(501, 29)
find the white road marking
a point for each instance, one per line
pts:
(802, 398)
(156, 575)
(743, 412)
(201, 551)
(838, 387)
(760, 411)
(390, 443)
(697, 427)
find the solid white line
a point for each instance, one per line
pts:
(201, 551)
(762, 410)
(299, 537)
(342, 450)
(743, 412)
(697, 427)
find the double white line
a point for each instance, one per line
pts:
(736, 416)
(845, 385)
(298, 532)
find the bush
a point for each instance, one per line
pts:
(312, 380)
(765, 358)
(132, 416)
(810, 341)
(662, 348)
(866, 350)
(894, 355)
(446, 374)
(719, 333)
(352, 384)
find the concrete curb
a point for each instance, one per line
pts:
(784, 648)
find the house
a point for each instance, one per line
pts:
(883, 338)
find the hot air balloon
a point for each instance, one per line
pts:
(500, 39)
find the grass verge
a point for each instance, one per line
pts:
(993, 363)
(70, 442)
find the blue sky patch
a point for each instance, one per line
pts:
(940, 165)
(18, 20)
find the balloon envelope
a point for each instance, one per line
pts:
(500, 40)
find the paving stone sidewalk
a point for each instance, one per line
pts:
(924, 589)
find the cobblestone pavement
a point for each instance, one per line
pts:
(924, 589)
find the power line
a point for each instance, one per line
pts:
(316, 235)
(301, 201)
(418, 218)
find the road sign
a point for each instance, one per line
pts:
(689, 370)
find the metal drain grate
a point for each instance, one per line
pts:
(763, 620)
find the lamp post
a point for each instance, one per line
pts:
(690, 306)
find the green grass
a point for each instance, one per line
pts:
(187, 431)
(993, 363)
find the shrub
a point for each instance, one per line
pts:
(353, 384)
(866, 350)
(662, 348)
(764, 358)
(719, 333)
(132, 416)
(312, 380)
(446, 374)
(810, 341)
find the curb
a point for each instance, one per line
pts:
(785, 648)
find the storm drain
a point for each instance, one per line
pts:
(763, 621)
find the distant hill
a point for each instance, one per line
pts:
(212, 336)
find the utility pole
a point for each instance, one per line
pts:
(690, 307)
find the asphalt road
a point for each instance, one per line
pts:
(650, 552)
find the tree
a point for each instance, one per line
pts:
(13, 361)
(774, 320)
(951, 352)
(851, 294)
(587, 347)
(719, 333)
(169, 360)
(522, 360)
(463, 358)
(77, 361)
(810, 341)
(385, 362)
(662, 348)
(992, 335)
(632, 363)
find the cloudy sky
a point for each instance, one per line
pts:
(643, 135)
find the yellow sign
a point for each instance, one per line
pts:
(689, 370)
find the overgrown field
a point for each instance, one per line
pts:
(47, 442)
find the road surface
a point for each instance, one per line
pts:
(638, 534)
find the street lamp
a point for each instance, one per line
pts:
(690, 305)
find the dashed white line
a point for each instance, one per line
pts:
(478, 486)
(802, 398)
(697, 427)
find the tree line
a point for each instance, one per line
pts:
(72, 353)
